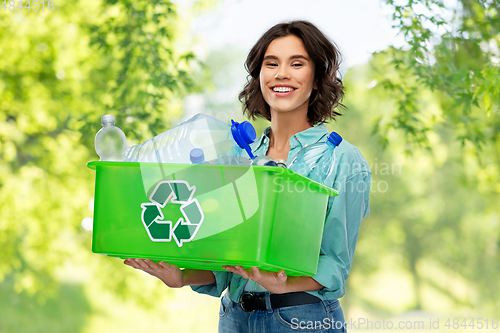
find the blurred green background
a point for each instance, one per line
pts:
(425, 116)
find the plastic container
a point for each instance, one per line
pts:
(110, 141)
(203, 216)
(218, 140)
(317, 161)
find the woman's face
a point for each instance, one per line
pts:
(287, 75)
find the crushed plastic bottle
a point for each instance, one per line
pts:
(219, 141)
(110, 141)
(317, 161)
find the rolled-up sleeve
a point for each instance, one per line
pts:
(343, 219)
(214, 289)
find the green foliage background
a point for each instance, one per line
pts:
(425, 116)
(60, 71)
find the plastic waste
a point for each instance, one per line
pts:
(317, 161)
(281, 163)
(219, 141)
(110, 141)
(264, 160)
(197, 156)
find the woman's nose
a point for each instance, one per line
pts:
(282, 73)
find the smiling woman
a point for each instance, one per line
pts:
(293, 83)
(287, 77)
(295, 51)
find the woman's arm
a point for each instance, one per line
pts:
(340, 233)
(197, 277)
(171, 275)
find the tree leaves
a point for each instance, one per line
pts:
(451, 61)
(451, 58)
(58, 75)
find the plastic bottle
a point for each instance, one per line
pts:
(197, 156)
(281, 163)
(317, 161)
(218, 140)
(263, 160)
(110, 141)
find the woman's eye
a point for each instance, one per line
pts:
(297, 65)
(271, 64)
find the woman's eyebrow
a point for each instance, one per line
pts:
(296, 56)
(299, 56)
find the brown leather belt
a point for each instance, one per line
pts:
(250, 302)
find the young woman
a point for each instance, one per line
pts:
(294, 83)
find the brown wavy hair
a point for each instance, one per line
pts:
(326, 59)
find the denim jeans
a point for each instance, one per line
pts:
(323, 316)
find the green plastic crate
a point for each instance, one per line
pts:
(206, 216)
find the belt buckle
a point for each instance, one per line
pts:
(242, 298)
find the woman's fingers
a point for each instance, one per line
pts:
(281, 276)
(142, 264)
(146, 265)
(239, 270)
(131, 262)
(151, 264)
(167, 266)
(170, 274)
(256, 272)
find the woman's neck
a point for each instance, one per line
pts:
(284, 126)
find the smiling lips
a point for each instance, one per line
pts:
(282, 91)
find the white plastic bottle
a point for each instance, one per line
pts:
(110, 141)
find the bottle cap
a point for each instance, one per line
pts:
(107, 118)
(334, 138)
(244, 134)
(196, 155)
(281, 163)
(271, 163)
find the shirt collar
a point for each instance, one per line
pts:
(304, 138)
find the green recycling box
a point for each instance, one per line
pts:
(203, 216)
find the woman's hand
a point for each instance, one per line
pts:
(170, 274)
(274, 282)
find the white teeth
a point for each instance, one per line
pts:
(283, 89)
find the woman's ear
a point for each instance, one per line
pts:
(315, 86)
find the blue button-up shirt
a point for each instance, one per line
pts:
(352, 179)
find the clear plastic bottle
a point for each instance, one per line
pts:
(317, 161)
(110, 141)
(218, 140)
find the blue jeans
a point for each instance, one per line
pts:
(323, 316)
